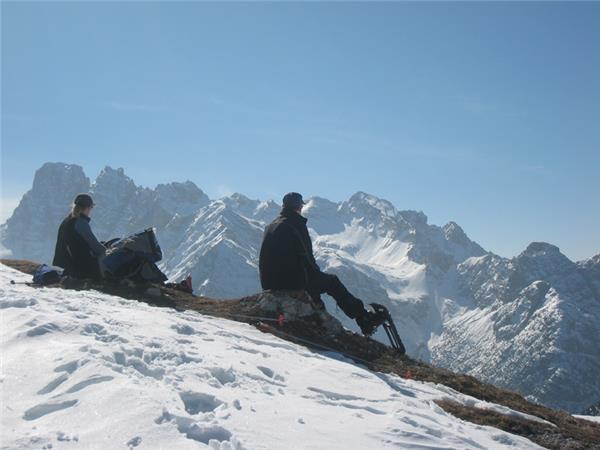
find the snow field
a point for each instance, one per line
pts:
(82, 369)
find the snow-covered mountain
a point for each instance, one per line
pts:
(529, 323)
(86, 370)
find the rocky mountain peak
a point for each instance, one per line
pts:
(416, 219)
(317, 202)
(455, 233)
(55, 185)
(541, 249)
(183, 199)
(241, 200)
(370, 204)
(52, 178)
(113, 179)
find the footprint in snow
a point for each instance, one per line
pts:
(122, 361)
(334, 395)
(53, 384)
(185, 329)
(198, 431)
(47, 408)
(89, 382)
(20, 303)
(70, 367)
(197, 402)
(223, 376)
(43, 329)
(99, 333)
(64, 437)
(270, 373)
(134, 442)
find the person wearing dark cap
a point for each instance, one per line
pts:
(77, 249)
(287, 262)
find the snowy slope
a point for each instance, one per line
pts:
(455, 304)
(88, 370)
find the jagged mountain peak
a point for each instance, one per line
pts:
(110, 178)
(363, 202)
(455, 233)
(415, 219)
(544, 261)
(181, 190)
(323, 215)
(181, 198)
(250, 208)
(109, 170)
(58, 172)
(319, 202)
(237, 196)
(536, 249)
(55, 185)
(240, 201)
(187, 185)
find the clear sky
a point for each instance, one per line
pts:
(487, 114)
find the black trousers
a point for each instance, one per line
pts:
(326, 283)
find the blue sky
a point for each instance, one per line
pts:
(483, 113)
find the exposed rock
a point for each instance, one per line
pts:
(297, 305)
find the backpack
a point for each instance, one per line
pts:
(134, 257)
(45, 274)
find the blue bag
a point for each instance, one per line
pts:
(45, 274)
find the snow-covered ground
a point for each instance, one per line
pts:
(590, 418)
(89, 370)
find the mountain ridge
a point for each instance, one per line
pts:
(456, 304)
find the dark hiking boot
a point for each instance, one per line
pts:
(369, 322)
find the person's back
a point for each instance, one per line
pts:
(286, 261)
(77, 249)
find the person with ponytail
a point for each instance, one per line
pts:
(77, 249)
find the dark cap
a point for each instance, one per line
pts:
(84, 200)
(293, 200)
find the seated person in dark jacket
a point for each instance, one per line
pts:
(77, 249)
(287, 262)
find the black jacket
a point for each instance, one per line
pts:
(77, 249)
(286, 255)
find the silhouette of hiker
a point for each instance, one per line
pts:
(77, 249)
(287, 262)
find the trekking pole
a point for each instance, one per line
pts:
(279, 320)
(390, 328)
(392, 333)
(28, 283)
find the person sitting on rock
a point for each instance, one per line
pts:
(77, 249)
(287, 262)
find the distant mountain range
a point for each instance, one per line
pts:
(530, 323)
